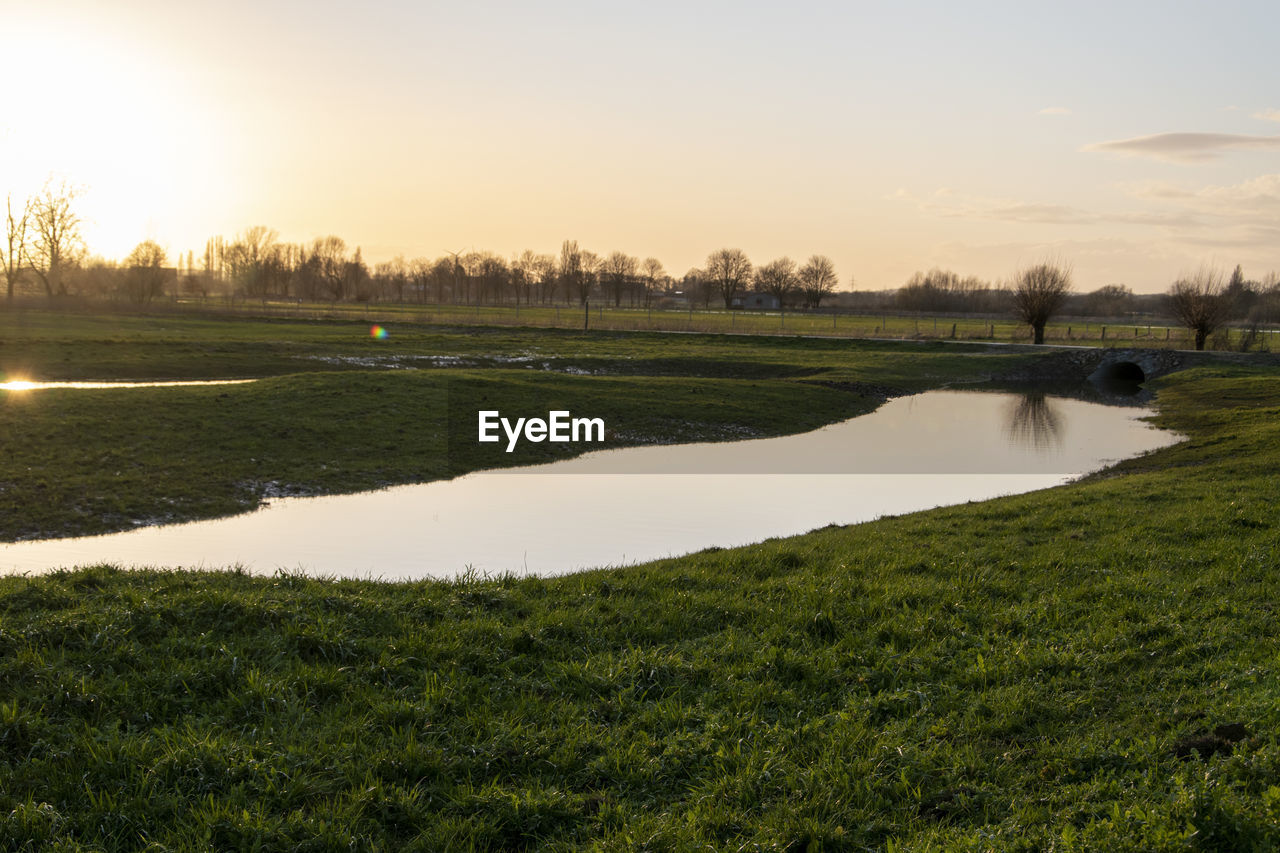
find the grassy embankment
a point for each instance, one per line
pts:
(1043, 671)
(331, 416)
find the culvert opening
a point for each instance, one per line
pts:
(1125, 371)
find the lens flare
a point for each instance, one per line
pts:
(378, 333)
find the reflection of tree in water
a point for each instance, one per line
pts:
(1034, 422)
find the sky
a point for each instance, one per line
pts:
(1136, 141)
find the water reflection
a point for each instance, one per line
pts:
(1035, 421)
(28, 385)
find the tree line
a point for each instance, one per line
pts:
(44, 251)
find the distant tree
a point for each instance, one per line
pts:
(327, 267)
(56, 245)
(211, 263)
(523, 275)
(14, 252)
(1267, 308)
(101, 278)
(248, 259)
(817, 280)
(1112, 300)
(928, 291)
(356, 280)
(653, 273)
(495, 277)
(442, 275)
(590, 274)
(1241, 294)
(145, 272)
(393, 277)
(697, 287)
(1200, 302)
(778, 278)
(420, 277)
(544, 275)
(1038, 293)
(570, 272)
(729, 271)
(618, 271)
(943, 290)
(1237, 278)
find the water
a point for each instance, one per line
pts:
(610, 508)
(27, 385)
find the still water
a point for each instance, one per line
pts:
(28, 385)
(614, 507)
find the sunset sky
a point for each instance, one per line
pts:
(1134, 140)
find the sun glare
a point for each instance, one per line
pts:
(107, 120)
(17, 385)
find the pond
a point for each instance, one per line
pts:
(611, 508)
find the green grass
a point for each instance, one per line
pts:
(885, 324)
(1018, 674)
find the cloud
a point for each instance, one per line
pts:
(1268, 115)
(1185, 147)
(946, 203)
(1240, 216)
(1054, 111)
(1256, 200)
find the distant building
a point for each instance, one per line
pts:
(755, 300)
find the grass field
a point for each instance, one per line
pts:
(900, 325)
(1092, 667)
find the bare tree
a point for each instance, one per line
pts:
(817, 280)
(14, 252)
(590, 272)
(778, 278)
(729, 270)
(523, 276)
(328, 264)
(393, 276)
(356, 278)
(493, 275)
(618, 270)
(570, 271)
(57, 243)
(420, 277)
(248, 259)
(1038, 293)
(697, 287)
(1200, 302)
(544, 270)
(145, 272)
(1111, 300)
(653, 271)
